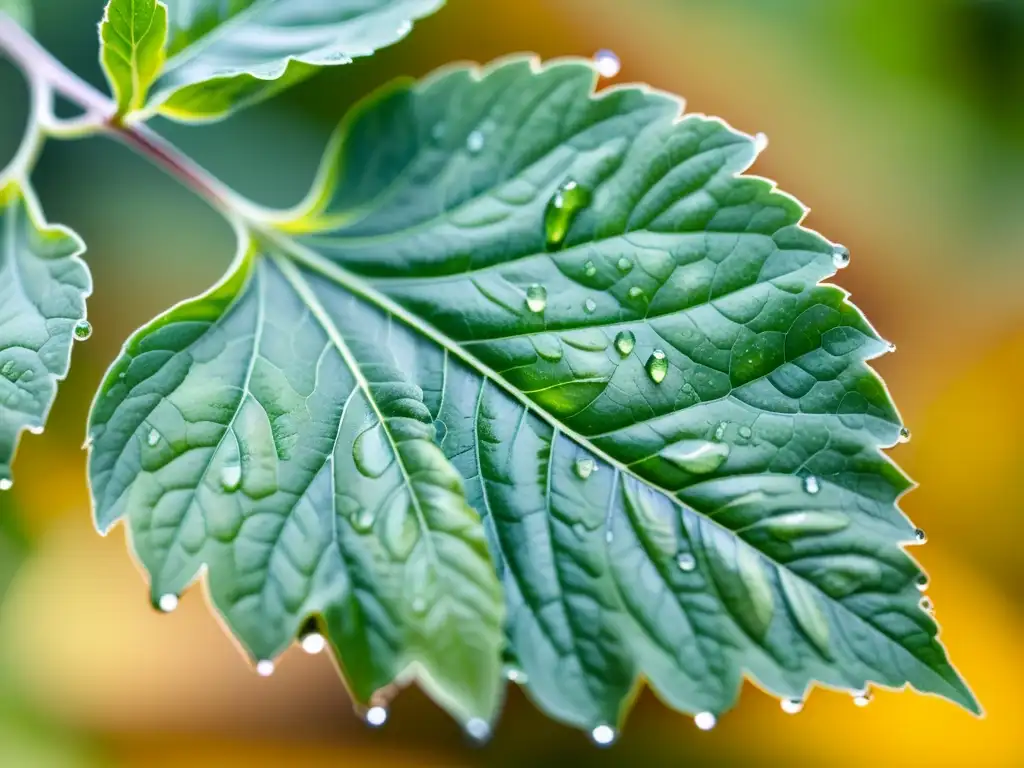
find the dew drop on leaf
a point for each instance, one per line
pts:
(589, 269)
(82, 330)
(720, 430)
(811, 484)
(265, 668)
(745, 432)
(589, 306)
(686, 562)
(921, 583)
(624, 343)
(363, 519)
(152, 438)
(607, 63)
(6, 483)
(478, 729)
(603, 735)
(231, 477)
(705, 720)
(636, 292)
(792, 706)
(696, 456)
(404, 28)
(35, 429)
(657, 366)
(904, 435)
(313, 643)
(371, 453)
(167, 603)
(585, 467)
(624, 265)
(562, 208)
(862, 698)
(536, 297)
(760, 142)
(376, 716)
(475, 142)
(841, 256)
(926, 605)
(516, 675)
(920, 535)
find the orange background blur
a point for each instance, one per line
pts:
(899, 122)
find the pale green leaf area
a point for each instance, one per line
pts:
(133, 35)
(222, 56)
(19, 10)
(663, 419)
(43, 288)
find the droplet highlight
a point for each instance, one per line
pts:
(636, 292)
(811, 484)
(313, 643)
(686, 562)
(231, 477)
(6, 483)
(904, 435)
(760, 142)
(791, 706)
(376, 716)
(536, 298)
(625, 341)
(624, 265)
(841, 256)
(862, 698)
(152, 438)
(657, 366)
(167, 603)
(920, 536)
(705, 720)
(562, 209)
(603, 735)
(515, 675)
(585, 467)
(699, 457)
(265, 668)
(363, 520)
(478, 729)
(82, 330)
(589, 306)
(607, 63)
(590, 269)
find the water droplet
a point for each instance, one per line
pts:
(686, 561)
(231, 477)
(585, 467)
(841, 256)
(862, 698)
(167, 603)
(921, 583)
(705, 720)
(536, 297)
(811, 484)
(624, 265)
(376, 716)
(636, 292)
(35, 429)
(603, 735)
(745, 432)
(371, 451)
(516, 675)
(657, 366)
(313, 643)
(475, 142)
(890, 347)
(760, 142)
(624, 343)
(609, 536)
(478, 729)
(791, 706)
(440, 431)
(589, 306)
(696, 456)
(607, 63)
(590, 269)
(152, 438)
(6, 483)
(265, 668)
(720, 430)
(920, 535)
(904, 435)
(567, 202)
(82, 330)
(926, 605)
(404, 28)
(362, 520)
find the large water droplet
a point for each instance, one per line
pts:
(585, 467)
(376, 716)
(313, 643)
(82, 330)
(840, 256)
(686, 561)
(371, 452)
(478, 729)
(563, 207)
(167, 603)
(536, 297)
(792, 706)
(862, 698)
(231, 477)
(589, 306)
(920, 535)
(590, 269)
(607, 63)
(624, 264)
(705, 720)
(603, 735)
(657, 366)
(625, 341)
(6, 483)
(152, 438)
(696, 456)
(811, 484)
(265, 668)
(904, 435)
(475, 142)
(760, 142)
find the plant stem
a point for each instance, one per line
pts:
(47, 76)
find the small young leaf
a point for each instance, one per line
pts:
(19, 10)
(222, 56)
(666, 422)
(43, 287)
(132, 39)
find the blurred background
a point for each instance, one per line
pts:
(899, 122)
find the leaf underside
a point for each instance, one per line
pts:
(43, 288)
(571, 309)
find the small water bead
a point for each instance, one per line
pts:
(841, 256)
(926, 605)
(590, 269)
(657, 366)
(363, 520)
(313, 643)
(585, 467)
(686, 562)
(904, 435)
(536, 297)
(890, 347)
(376, 716)
(35, 429)
(720, 430)
(603, 735)
(792, 706)
(624, 265)
(609, 536)
(589, 306)
(475, 142)
(167, 603)
(920, 535)
(862, 698)
(231, 477)
(607, 63)
(705, 720)
(82, 330)
(152, 438)
(478, 729)
(265, 668)
(745, 432)
(515, 675)
(760, 142)
(636, 292)
(625, 341)
(811, 484)
(6, 483)
(921, 583)
(562, 208)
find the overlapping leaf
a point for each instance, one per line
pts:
(43, 287)
(664, 420)
(221, 56)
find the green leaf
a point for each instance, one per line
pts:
(664, 419)
(133, 35)
(19, 10)
(43, 287)
(223, 56)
